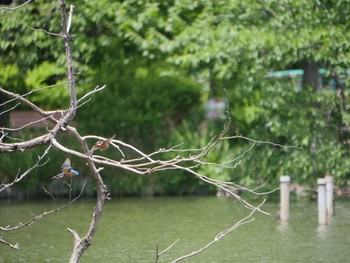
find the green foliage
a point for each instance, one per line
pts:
(309, 120)
(146, 53)
(47, 74)
(24, 40)
(141, 105)
(237, 39)
(10, 78)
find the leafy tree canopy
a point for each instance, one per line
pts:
(153, 54)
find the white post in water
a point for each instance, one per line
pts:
(321, 196)
(329, 195)
(284, 185)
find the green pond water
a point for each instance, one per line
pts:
(130, 229)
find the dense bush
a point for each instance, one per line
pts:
(141, 106)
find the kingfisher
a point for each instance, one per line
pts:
(102, 145)
(67, 170)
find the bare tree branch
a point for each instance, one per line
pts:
(28, 124)
(35, 218)
(222, 234)
(75, 235)
(44, 214)
(3, 112)
(27, 172)
(43, 139)
(26, 102)
(158, 254)
(96, 89)
(150, 165)
(69, 61)
(43, 30)
(140, 163)
(70, 17)
(260, 142)
(81, 244)
(3, 135)
(15, 96)
(14, 8)
(68, 116)
(14, 246)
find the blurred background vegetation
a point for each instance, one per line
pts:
(162, 61)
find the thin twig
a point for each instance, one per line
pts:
(3, 112)
(51, 195)
(222, 234)
(14, 8)
(3, 135)
(43, 30)
(25, 101)
(37, 164)
(260, 142)
(70, 17)
(14, 246)
(158, 254)
(32, 91)
(96, 89)
(44, 214)
(29, 124)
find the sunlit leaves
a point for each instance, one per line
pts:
(231, 36)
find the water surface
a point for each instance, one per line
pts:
(130, 229)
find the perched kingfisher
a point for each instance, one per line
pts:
(67, 170)
(101, 145)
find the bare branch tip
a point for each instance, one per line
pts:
(74, 234)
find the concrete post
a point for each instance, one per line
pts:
(321, 197)
(329, 195)
(284, 185)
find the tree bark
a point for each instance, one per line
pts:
(311, 75)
